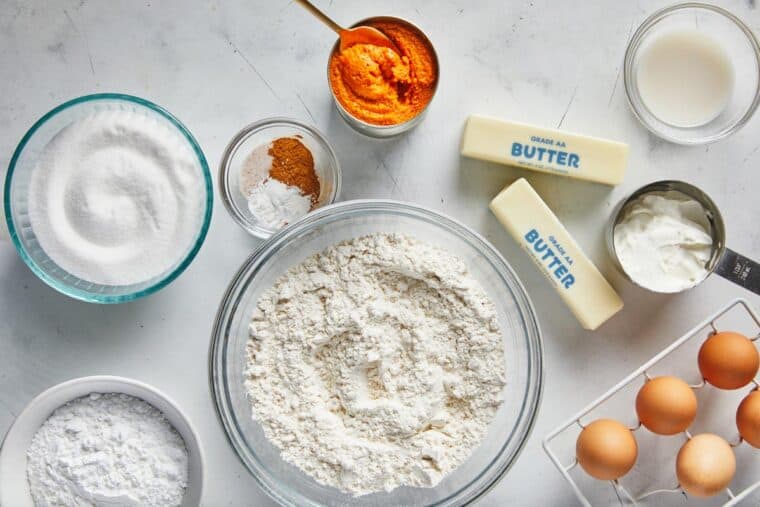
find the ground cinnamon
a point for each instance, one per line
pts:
(293, 164)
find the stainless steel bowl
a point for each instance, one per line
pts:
(717, 227)
(723, 261)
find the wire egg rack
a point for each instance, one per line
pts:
(564, 436)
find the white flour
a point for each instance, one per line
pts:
(375, 364)
(107, 450)
(116, 198)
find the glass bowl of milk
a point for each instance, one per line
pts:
(692, 73)
(108, 198)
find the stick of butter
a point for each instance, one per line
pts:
(540, 233)
(546, 150)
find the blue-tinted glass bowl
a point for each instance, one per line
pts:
(15, 199)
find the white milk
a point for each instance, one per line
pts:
(685, 78)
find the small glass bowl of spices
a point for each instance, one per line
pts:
(381, 92)
(275, 171)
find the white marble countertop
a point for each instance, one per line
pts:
(221, 64)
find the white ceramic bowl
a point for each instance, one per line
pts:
(14, 487)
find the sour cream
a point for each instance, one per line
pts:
(663, 241)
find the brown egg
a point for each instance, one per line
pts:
(705, 465)
(748, 419)
(666, 405)
(728, 360)
(606, 449)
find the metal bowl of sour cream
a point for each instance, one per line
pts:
(669, 225)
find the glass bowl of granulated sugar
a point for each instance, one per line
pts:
(275, 171)
(108, 198)
(358, 349)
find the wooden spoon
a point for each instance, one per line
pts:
(351, 36)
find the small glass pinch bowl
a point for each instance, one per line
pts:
(14, 487)
(16, 198)
(261, 133)
(742, 49)
(511, 426)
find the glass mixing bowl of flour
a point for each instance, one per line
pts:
(19, 205)
(325, 227)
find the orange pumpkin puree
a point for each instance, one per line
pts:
(377, 85)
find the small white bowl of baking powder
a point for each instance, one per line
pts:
(14, 484)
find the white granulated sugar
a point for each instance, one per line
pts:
(116, 198)
(375, 364)
(276, 204)
(107, 450)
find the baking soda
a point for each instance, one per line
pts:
(277, 204)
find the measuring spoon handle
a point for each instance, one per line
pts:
(324, 18)
(739, 269)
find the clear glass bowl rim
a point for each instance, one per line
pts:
(634, 43)
(84, 295)
(241, 136)
(488, 477)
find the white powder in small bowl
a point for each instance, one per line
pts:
(276, 204)
(116, 198)
(271, 202)
(106, 450)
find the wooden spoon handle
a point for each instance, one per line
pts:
(335, 27)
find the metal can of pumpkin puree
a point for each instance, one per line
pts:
(383, 131)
